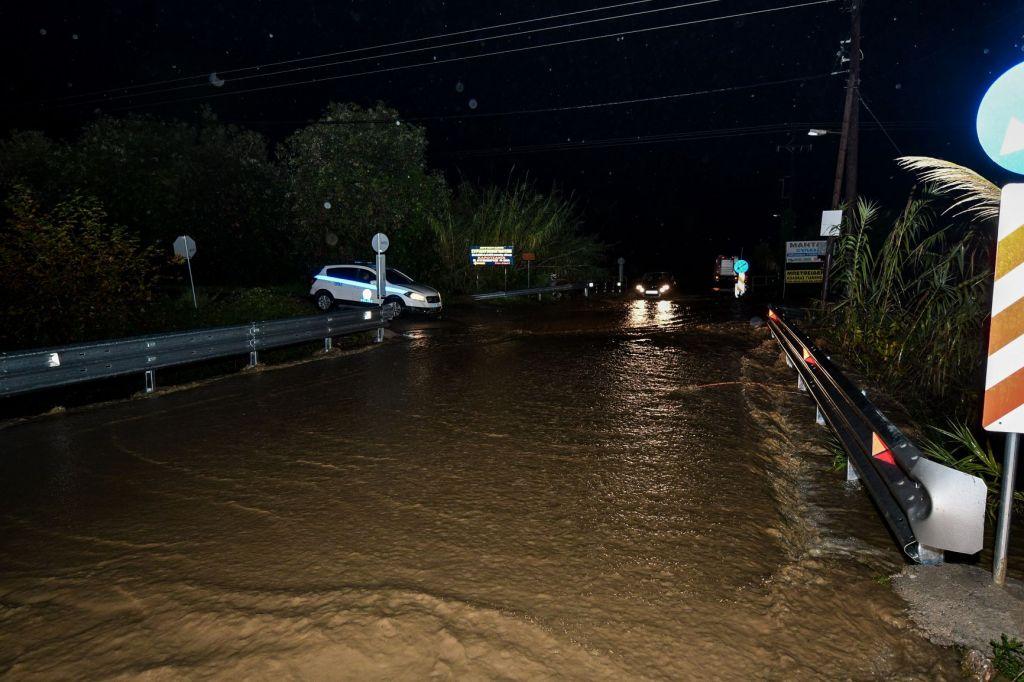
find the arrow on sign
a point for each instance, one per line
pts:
(1014, 140)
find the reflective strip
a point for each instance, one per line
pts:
(389, 288)
(1007, 290)
(1003, 398)
(1004, 362)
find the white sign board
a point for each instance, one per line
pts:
(831, 221)
(806, 251)
(185, 247)
(1004, 377)
(725, 267)
(491, 255)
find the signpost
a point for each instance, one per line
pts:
(529, 257)
(1000, 127)
(380, 244)
(622, 280)
(811, 255)
(185, 247)
(740, 267)
(492, 255)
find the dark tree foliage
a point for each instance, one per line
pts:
(67, 273)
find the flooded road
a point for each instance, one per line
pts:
(602, 490)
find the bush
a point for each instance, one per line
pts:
(67, 274)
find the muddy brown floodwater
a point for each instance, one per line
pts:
(603, 490)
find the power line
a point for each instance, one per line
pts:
(514, 50)
(368, 48)
(682, 136)
(406, 52)
(893, 142)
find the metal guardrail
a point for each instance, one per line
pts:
(581, 286)
(32, 370)
(927, 506)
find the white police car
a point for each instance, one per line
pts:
(356, 283)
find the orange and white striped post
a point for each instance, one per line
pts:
(1004, 377)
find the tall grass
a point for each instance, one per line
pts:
(546, 224)
(912, 300)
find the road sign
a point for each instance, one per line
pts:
(491, 255)
(1004, 379)
(1001, 120)
(622, 261)
(806, 251)
(380, 242)
(528, 256)
(808, 276)
(740, 266)
(185, 247)
(831, 221)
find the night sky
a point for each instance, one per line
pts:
(708, 177)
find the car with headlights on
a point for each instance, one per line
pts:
(655, 285)
(356, 284)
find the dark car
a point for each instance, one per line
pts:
(655, 285)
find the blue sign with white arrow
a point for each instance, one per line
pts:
(740, 267)
(1001, 120)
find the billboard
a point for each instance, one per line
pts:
(807, 276)
(491, 255)
(806, 251)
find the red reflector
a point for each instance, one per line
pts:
(772, 315)
(808, 358)
(881, 451)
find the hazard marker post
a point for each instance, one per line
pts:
(1004, 377)
(1000, 127)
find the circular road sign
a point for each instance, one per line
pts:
(380, 242)
(740, 266)
(1001, 120)
(185, 247)
(622, 261)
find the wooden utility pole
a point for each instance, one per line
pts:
(846, 163)
(848, 140)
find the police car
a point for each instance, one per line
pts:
(356, 283)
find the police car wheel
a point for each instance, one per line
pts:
(398, 304)
(324, 301)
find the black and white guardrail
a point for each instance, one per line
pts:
(33, 370)
(927, 506)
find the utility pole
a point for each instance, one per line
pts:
(849, 138)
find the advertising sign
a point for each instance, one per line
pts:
(831, 222)
(491, 255)
(806, 251)
(808, 276)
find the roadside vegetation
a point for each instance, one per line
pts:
(910, 306)
(87, 222)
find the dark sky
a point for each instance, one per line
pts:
(706, 189)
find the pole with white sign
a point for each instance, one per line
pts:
(1000, 127)
(380, 244)
(622, 280)
(185, 247)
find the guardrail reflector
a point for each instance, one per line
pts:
(772, 315)
(879, 450)
(808, 358)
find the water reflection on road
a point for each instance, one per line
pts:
(600, 490)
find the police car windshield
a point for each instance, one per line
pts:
(396, 277)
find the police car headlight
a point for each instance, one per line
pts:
(416, 296)
(663, 288)
(640, 288)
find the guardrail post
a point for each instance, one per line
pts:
(254, 358)
(150, 380)
(328, 343)
(819, 418)
(930, 556)
(800, 385)
(789, 361)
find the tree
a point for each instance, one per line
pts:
(68, 274)
(356, 172)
